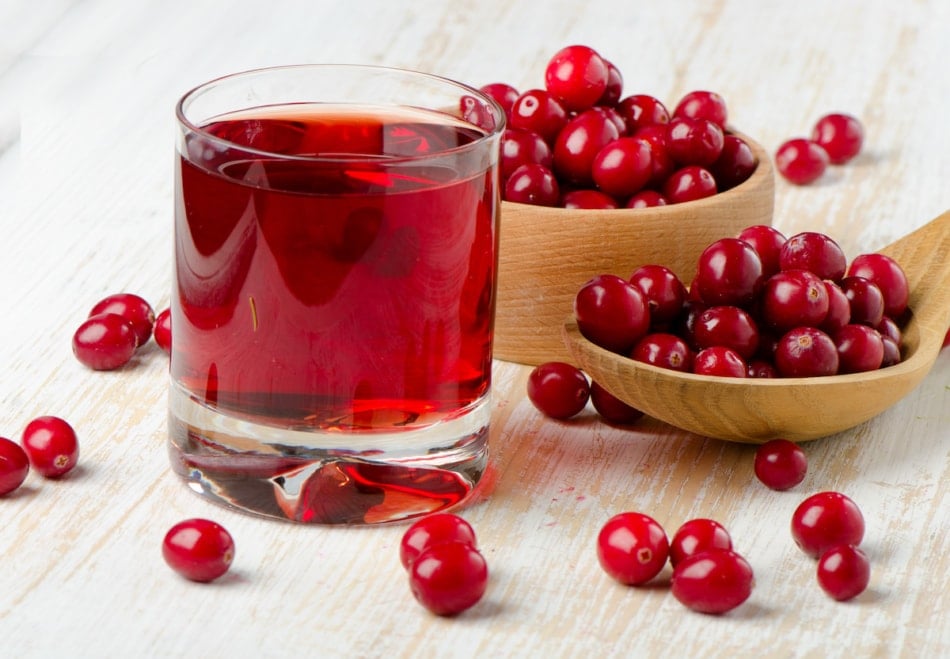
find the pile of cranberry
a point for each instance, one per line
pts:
(578, 144)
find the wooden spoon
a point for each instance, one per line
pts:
(756, 410)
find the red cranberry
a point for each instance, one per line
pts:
(702, 104)
(721, 362)
(522, 147)
(767, 242)
(532, 184)
(663, 291)
(577, 76)
(163, 330)
(104, 342)
(578, 143)
(50, 444)
(759, 368)
(892, 352)
(14, 466)
(663, 164)
(646, 199)
(665, 351)
(889, 329)
(735, 164)
(613, 117)
(632, 548)
(865, 299)
(729, 272)
(689, 184)
(793, 298)
(780, 464)
(729, 327)
(558, 389)
(642, 110)
(888, 276)
(815, 252)
(432, 530)
(713, 581)
(477, 112)
(806, 352)
(860, 348)
(588, 199)
(623, 166)
(840, 135)
(611, 312)
(825, 520)
(839, 309)
(503, 94)
(697, 536)
(133, 308)
(614, 90)
(539, 112)
(694, 141)
(198, 549)
(844, 572)
(449, 578)
(611, 408)
(801, 161)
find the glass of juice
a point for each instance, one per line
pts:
(336, 246)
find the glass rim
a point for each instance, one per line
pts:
(195, 91)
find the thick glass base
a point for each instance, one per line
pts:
(322, 477)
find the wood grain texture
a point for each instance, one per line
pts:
(86, 147)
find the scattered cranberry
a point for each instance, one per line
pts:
(888, 276)
(632, 548)
(449, 577)
(163, 330)
(840, 135)
(14, 466)
(611, 408)
(801, 161)
(697, 536)
(532, 184)
(611, 312)
(50, 444)
(134, 309)
(712, 582)
(825, 520)
(432, 530)
(104, 342)
(558, 389)
(780, 464)
(577, 76)
(198, 549)
(844, 572)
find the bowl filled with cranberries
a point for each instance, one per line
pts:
(774, 336)
(594, 180)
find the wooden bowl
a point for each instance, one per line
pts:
(547, 254)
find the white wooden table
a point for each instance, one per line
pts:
(87, 89)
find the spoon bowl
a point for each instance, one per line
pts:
(799, 409)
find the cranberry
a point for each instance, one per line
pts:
(729, 327)
(611, 408)
(793, 298)
(801, 161)
(614, 90)
(522, 147)
(539, 112)
(844, 572)
(712, 582)
(806, 352)
(689, 184)
(702, 104)
(623, 166)
(578, 144)
(889, 329)
(888, 276)
(815, 252)
(860, 349)
(694, 141)
(759, 368)
(865, 299)
(632, 548)
(729, 272)
(613, 117)
(14, 466)
(50, 444)
(697, 536)
(663, 291)
(163, 330)
(449, 578)
(133, 308)
(477, 112)
(780, 464)
(663, 164)
(646, 199)
(432, 530)
(503, 94)
(558, 389)
(840, 135)
(588, 199)
(104, 342)
(720, 361)
(735, 164)
(664, 350)
(577, 76)
(767, 242)
(839, 309)
(892, 351)
(642, 110)
(825, 520)
(198, 549)
(611, 312)
(532, 184)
